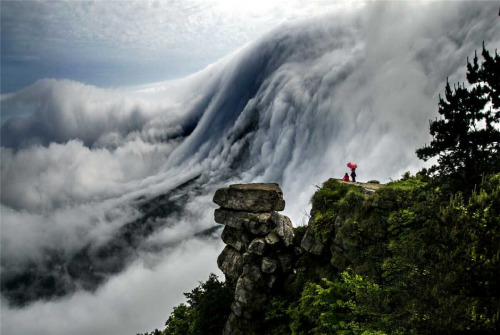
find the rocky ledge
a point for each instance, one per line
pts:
(259, 251)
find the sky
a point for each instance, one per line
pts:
(117, 43)
(92, 133)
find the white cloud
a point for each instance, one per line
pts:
(44, 178)
(137, 300)
(100, 29)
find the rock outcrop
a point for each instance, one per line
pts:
(259, 249)
(338, 247)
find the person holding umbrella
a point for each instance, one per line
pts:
(353, 167)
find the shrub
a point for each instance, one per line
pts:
(208, 307)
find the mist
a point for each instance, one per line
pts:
(106, 208)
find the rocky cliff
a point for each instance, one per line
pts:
(259, 249)
(260, 252)
(373, 259)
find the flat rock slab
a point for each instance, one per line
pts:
(251, 197)
(255, 223)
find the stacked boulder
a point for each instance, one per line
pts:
(258, 252)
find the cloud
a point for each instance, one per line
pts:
(137, 300)
(292, 107)
(62, 110)
(102, 43)
(44, 178)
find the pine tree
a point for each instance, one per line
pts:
(466, 138)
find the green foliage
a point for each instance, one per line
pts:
(299, 233)
(337, 307)
(443, 266)
(373, 181)
(419, 262)
(277, 320)
(329, 201)
(179, 321)
(466, 139)
(331, 192)
(207, 310)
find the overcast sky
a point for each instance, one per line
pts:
(118, 43)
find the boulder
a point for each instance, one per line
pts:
(284, 228)
(255, 223)
(317, 248)
(269, 265)
(257, 246)
(271, 281)
(307, 241)
(338, 259)
(260, 224)
(272, 239)
(249, 258)
(233, 237)
(230, 262)
(236, 308)
(286, 262)
(243, 290)
(252, 273)
(251, 197)
(311, 244)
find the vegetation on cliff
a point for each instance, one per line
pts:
(418, 256)
(206, 311)
(412, 260)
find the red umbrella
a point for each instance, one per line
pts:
(352, 165)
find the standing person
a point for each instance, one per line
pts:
(353, 175)
(346, 177)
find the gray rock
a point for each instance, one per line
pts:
(259, 299)
(229, 218)
(256, 223)
(247, 315)
(253, 229)
(339, 221)
(271, 281)
(229, 327)
(252, 273)
(368, 191)
(317, 248)
(257, 246)
(269, 265)
(335, 248)
(339, 261)
(345, 243)
(311, 244)
(230, 262)
(246, 238)
(243, 290)
(236, 308)
(286, 262)
(233, 237)
(260, 224)
(308, 240)
(272, 239)
(251, 197)
(284, 228)
(252, 259)
(237, 325)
